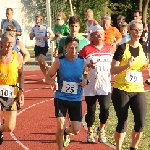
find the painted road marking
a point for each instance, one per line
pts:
(29, 107)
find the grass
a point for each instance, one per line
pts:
(111, 126)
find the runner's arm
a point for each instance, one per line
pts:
(52, 71)
(26, 53)
(20, 72)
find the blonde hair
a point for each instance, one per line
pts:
(89, 11)
(62, 15)
(124, 24)
(39, 16)
(11, 28)
(133, 22)
(7, 34)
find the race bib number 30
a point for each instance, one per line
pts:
(69, 87)
(6, 91)
(133, 76)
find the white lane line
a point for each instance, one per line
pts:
(29, 107)
(30, 82)
(28, 76)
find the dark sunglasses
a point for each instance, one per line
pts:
(57, 19)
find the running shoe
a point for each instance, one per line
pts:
(148, 81)
(66, 141)
(90, 137)
(101, 136)
(131, 148)
(1, 138)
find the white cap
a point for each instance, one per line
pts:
(97, 28)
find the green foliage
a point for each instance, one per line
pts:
(112, 122)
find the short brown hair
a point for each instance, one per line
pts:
(9, 9)
(11, 28)
(39, 16)
(73, 20)
(62, 15)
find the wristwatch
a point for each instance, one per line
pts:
(21, 89)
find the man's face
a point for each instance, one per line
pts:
(106, 23)
(72, 49)
(8, 43)
(136, 16)
(9, 14)
(97, 36)
(74, 28)
(38, 20)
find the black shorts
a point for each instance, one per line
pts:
(74, 109)
(40, 50)
(8, 104)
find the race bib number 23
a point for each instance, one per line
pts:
(69, 87)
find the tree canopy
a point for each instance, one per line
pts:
(99, 7)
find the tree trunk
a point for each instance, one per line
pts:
(140, 5)
(145, 8)
(71, 9)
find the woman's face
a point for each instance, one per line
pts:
(136, 31)
(59, 20)
(89, 15)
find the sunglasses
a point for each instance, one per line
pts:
(57, 19)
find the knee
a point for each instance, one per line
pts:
(121, 127)
(139, 127)
(9, 129)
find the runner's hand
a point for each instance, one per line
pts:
(91, 65)
(45, 38)
(21, 98)
(83, 82)
(54, 86)
(130, 61)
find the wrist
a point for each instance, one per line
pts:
(21, 89)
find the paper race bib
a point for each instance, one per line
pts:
(103, 67)
(69, 87)
(39, 41)
(133, 76)
(6, 91)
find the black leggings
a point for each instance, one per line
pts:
(136, 101)
(104, 101)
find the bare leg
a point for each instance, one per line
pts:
(119, 137)
(136, 136)
(60, 132)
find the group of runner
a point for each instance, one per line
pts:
(83, 67)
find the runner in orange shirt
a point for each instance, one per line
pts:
(112, 34)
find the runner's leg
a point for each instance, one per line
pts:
(10, 120)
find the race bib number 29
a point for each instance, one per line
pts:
(133, 76)
(6, 91)
(69, 87)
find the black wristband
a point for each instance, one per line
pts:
(87, 82)
(21, 89)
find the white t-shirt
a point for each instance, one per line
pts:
(100, 76)
(40, 32)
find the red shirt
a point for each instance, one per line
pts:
(107, 48)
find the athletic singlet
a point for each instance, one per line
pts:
(69, 75)
(131, 80)
(9, 73)
(40, 32)
(89, 28)
(100, 76)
